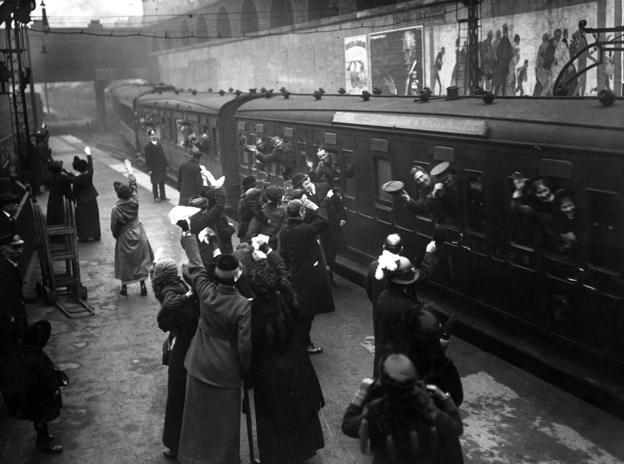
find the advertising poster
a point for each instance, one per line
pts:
(356, 64)
(397, 61)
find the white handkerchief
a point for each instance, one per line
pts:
(178, 213)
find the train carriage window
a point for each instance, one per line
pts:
(419, 193)
(383, 172)
(606, 229)
(476, 215)
(348, 170)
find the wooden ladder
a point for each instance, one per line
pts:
(57, 250)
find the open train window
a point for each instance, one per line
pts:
(416, 193)
(383, 172)
(605, 230)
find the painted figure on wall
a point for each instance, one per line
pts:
(488, 60)
(437, 69)
(504, 53)
(522, 74)
(578, 43)
(459, 75)
(510, 86)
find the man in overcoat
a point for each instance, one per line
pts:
(394, 306)
(322, 194)
(189, 177)
(301, 251)
(156, 163)
(19, 345)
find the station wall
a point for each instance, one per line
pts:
(396, 48)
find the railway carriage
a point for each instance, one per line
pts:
(177, 115)
(492, 259)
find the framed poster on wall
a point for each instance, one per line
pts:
(396, 61)
(356, 64)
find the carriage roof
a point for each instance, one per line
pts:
(569, 122)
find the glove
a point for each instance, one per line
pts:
(431, 247)
(183, 224)
(87, 151)
(258, 255)
(362, 393)
(330, 193)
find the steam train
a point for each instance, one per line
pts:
(493, 261)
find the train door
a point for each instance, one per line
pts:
(602, 276)
(474, 259)
(519, 249)
(559, 290)
(371, 207)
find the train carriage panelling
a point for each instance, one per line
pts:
(603, 274)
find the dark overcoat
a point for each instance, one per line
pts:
(389, 312)
(156, 161)
(87, 211)
(178, 315)
(332, 239)
(189, 180)
(13, 322)
(299, 247)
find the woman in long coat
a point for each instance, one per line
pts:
(299, 247)
(133, 252)
(87, 211)
(217, 361)
(179, 314)
(60, 188)
(287, 392)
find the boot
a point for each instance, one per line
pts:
(45, 444)
(124, 290)
(143, 288)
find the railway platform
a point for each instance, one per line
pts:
(114, 406)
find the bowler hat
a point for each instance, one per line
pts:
(393, 243)
(298, 179)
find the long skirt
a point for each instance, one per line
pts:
(293, 446)
(176, 391)
(133, 255)
(211, 424)
(88, 220)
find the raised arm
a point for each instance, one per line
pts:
(200, 279)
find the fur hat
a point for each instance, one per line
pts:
(123, 191)
(248, 182)
(226, 266)
(298, 179)
(165, 268)
(80, 165)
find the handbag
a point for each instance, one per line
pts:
(166, 349)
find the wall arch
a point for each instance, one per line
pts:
(318, 9)
(185, 33)
(201, 28)
(281, 13)
(249, 18)
(224, 28)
